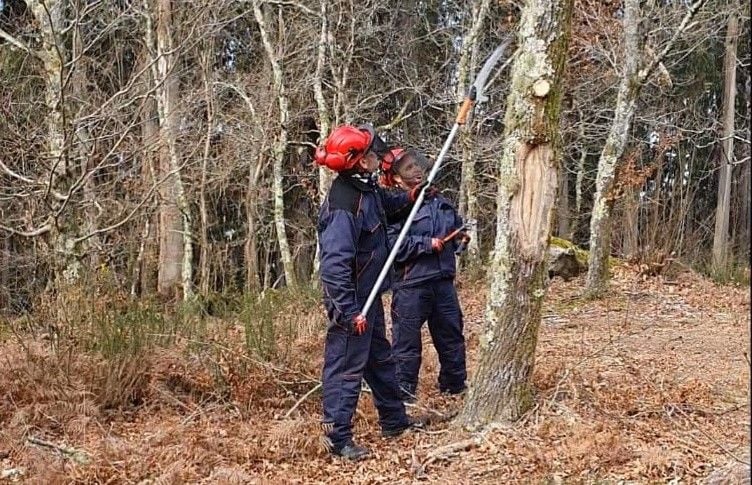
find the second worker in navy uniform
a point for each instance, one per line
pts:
(352, 230)
(423, 285)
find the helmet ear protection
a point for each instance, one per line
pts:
(345, 147)
(388, 161)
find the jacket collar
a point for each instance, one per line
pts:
(362, 181)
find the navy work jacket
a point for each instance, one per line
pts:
(353, 243)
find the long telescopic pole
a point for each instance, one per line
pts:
(461, 118)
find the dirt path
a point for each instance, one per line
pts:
(649, 384)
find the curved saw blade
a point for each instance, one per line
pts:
(480, 80)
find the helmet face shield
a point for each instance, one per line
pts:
(377, 145)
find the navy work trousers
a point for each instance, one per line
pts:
(348, 358)
(434, 301)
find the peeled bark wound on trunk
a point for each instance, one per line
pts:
(527, 184)
(501, 387)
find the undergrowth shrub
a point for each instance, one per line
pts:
(273, 319)
(734, 273)
(96, 338)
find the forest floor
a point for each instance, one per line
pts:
(648, 384)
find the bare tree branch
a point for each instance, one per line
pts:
(17, 43)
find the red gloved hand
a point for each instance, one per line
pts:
(413, 194)
(437, 245)
(359, 324)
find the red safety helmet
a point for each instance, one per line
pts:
(388, 161)
(345, 146)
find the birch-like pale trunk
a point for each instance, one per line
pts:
(720, 236)
(206, 57)
(600, 220)
(148, 258)
(632, 80)
(279, 148)
(50, 15)
(526, 198)
(468, 206)
(324, 120)
(50, 19)
(176, 235)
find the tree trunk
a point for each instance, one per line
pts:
(600, 220)
(720, 236)
(149, 255)
(562, 207)
(49, 15)
(176, 237)
(279, 149)
(65, 251)
(468, 206)
(527, 184)
(632, 80)
(206, 59)
(324, 121)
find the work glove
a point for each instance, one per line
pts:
(437, 245)
(359, 324)
(413, 194)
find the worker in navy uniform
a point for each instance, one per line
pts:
(353, 245)
(423, 284)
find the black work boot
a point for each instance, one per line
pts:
(453, 392)
(411, 423)
(352, 452)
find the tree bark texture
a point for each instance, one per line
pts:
(65, 251)
(527, 184)
(720, 235)
(279, 148)
(600, 220)
(176, 237)
(468, 183)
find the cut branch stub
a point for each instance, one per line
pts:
(541, 88)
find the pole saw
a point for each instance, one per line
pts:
(474, 95)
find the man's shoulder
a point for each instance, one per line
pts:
(344, 195)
